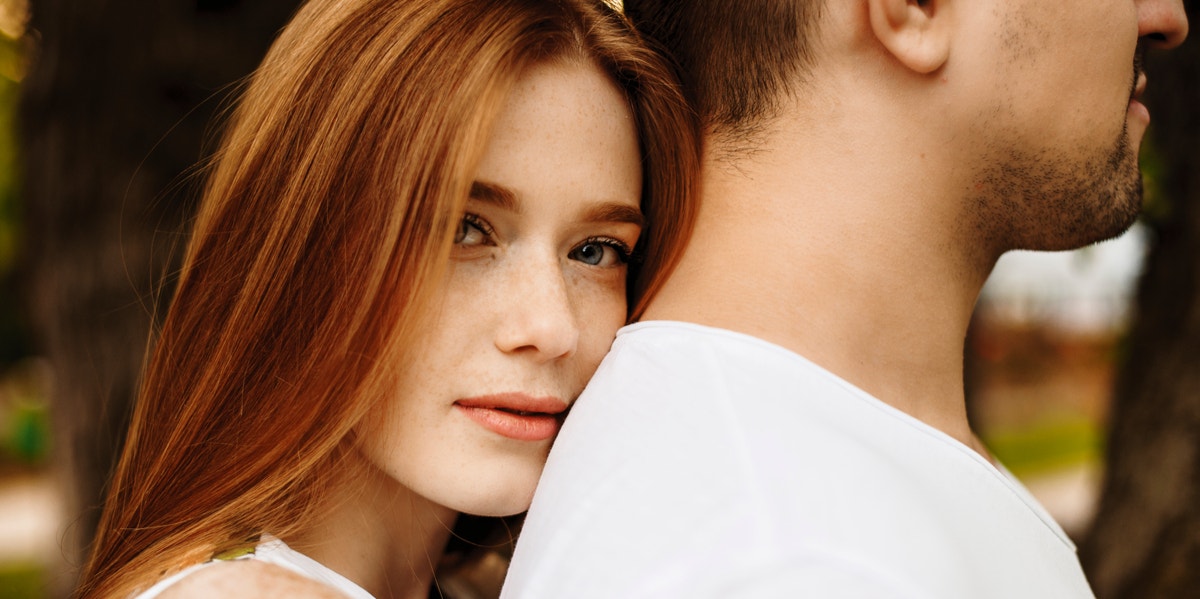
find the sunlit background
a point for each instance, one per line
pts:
(1041, 360)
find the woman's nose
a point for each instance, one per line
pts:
(537, 318)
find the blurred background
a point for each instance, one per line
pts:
(1082, 368)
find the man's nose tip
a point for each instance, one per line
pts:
(1164, 23)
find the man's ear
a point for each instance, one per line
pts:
(914, 31)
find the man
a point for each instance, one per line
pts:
(788, 420)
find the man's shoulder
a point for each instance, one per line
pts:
(658, 357)
(694, 406)
(767, 437)
(704, 385)
(700, 444)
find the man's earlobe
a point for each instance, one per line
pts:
(916, 32)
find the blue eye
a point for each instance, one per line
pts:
(472, 230)
(601, 251)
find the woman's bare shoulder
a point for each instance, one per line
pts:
(248, 578)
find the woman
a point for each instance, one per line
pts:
(410, 256)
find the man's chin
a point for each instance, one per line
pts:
(1105, 215)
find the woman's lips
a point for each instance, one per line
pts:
(515, 415)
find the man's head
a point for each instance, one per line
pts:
(1054, 87)
(1024, 110)
(737, 58)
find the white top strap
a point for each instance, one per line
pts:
(273, 551)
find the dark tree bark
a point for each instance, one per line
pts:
(1145, 542)
(112, 117)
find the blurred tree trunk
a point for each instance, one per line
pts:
(1145, 542)
(114, 112)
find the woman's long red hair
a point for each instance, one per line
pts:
(328, 213)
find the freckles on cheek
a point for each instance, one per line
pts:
(600, 309)
(605, 329)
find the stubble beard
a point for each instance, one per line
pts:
(1047, 202)
(1050, 201)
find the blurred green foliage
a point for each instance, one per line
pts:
(22, 581)
(1048, 445)
(1155, 205)
(24, 422)
(25, 438)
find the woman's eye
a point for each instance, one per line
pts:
(601, 252)
(472, 231)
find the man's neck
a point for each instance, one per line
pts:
(846, 250)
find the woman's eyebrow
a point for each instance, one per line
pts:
(615, 213)
(496, 195)
(600, 212)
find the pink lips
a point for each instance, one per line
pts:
(515, 415)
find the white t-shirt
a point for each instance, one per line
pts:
(705, 463)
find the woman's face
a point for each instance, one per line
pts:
(532, 300)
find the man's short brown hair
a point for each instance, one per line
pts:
(737, 58)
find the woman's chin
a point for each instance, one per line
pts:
(496, 503)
